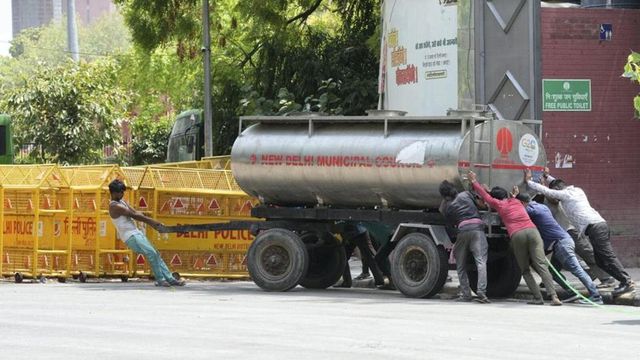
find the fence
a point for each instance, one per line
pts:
(191, 196)
(95, 252)
(35, 240)
(56, 220)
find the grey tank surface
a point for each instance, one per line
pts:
(368, 162)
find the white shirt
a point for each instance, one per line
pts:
(125, 225)
(558, 213)
(574, 202)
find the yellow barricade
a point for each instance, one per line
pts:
(56, 221)
(95, 251)
(36, 203)
(219, 162)
(222, 162)
(175, 196)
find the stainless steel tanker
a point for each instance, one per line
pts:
(395, 162)
(319, 178)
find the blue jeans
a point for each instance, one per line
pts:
(564, 253)
(140, 244)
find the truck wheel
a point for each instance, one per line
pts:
(18, 278)
(82, 277)
(418, 267)
(277, 260)
(326, 261)
(503, 276)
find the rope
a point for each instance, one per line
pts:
(576, 292)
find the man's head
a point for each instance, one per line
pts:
(557, 184)
(117, 187)
(499, 193)
(524, 198)
(447, 190)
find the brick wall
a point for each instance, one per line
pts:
(605, 142)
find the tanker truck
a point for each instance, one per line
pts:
(315, 175)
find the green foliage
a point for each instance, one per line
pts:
(155, 23)
(632, 71)
(149, 139)
(106, 37)
(161, 86)
(161, 81)
(253, 103)
(69, 112)
(270, 56)
(24, 40)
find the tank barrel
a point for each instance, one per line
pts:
(378, 161)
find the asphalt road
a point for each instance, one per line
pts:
(237, 320)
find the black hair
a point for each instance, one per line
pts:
(117, 186)
(523, 197)
(499, 193)
(447, 190)
(557, 184)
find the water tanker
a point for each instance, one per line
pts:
(319, 177)
(377, 162)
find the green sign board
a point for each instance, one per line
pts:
(566, 95)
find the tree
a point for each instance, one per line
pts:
(106, 37)
(318, 51)
(632, 71)
(150, 139)
(69, 111)
(161, 86)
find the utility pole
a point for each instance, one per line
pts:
(206, 49)
(72, 33)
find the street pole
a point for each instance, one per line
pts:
(206, 49)
(72, 34)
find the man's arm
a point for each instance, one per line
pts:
(555, 194)
(441, 208)
(117, 210)
(479, 189)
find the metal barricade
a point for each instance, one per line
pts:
(36, 201)
(222, 162)
(95, 251)
(190, 196)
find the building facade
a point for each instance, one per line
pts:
(34, 13)
(596, 148)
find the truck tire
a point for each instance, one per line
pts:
(503, 276)
(277, 260)
(418, 266)
(326, 261)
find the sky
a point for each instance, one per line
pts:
(5, 26)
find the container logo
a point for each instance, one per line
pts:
(528, 149)
(504, 142)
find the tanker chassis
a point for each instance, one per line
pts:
(316, 176)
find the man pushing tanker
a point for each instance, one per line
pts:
(525, 238)
(589, 222)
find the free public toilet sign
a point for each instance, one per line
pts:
(566, 95)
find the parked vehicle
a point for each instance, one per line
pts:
(6, 140)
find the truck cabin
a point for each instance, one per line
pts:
(186, 142)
